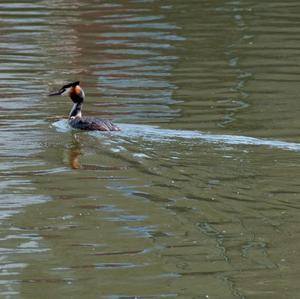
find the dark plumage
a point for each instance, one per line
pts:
(76, 120)
(92, 124)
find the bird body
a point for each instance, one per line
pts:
(92, 124)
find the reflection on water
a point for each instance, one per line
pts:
(197, 196)
(75, 153)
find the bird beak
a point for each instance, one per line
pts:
(62, 92)
(58, 93)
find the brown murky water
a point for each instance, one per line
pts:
(183, 203)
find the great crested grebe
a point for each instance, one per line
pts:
(76, 120)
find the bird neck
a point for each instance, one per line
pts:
(76, 110)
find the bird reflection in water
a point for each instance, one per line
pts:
(75, 152)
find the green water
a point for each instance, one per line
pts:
(154, 212)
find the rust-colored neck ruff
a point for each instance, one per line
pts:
(76, 94)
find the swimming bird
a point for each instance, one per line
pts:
(76, 120)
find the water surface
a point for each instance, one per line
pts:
(197, 197)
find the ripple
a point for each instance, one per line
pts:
(155, 133)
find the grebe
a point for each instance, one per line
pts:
(76, 120)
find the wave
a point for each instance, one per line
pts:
(155, 133)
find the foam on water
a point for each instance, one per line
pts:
(155, 133)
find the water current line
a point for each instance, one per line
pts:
(155, 133)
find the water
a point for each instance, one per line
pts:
(197, 197)
(155, 133)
